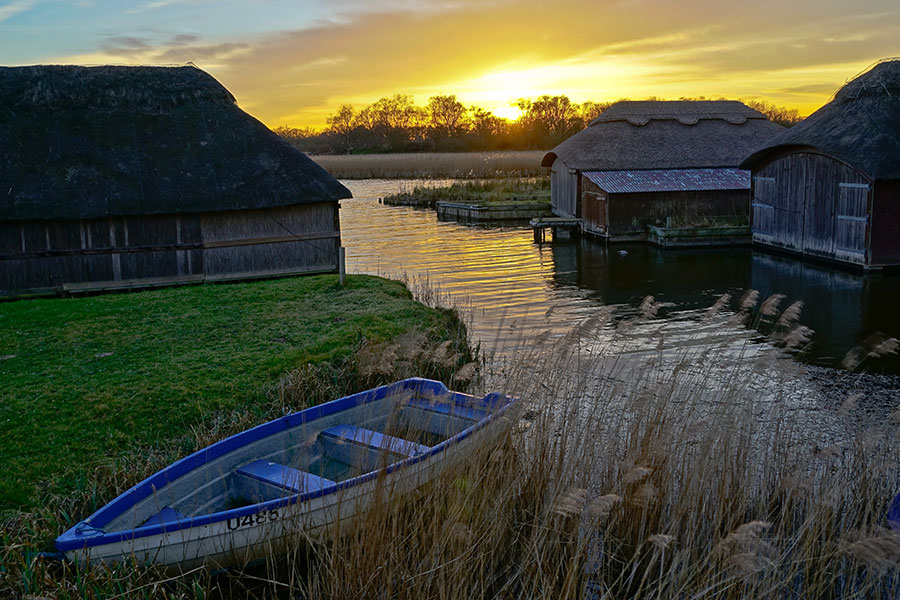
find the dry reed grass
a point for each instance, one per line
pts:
(466, 165)
(668, 476)
(660, 474)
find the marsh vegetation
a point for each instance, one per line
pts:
(658, 474)
(535, 190)
(435, 165)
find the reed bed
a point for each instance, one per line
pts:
(527, 190)
(682, 472)
(447, 165)
(649, 475)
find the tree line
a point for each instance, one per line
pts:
(398, 124)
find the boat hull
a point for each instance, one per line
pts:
(276, 528)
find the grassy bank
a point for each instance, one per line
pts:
(462, 165)
(486, 192)
(86, 383)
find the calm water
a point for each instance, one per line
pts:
(516, 290)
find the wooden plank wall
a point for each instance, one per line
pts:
(37, 255)
(594, 209)
(564, 191)
(279, 238)
(812, 204)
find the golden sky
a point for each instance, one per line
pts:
(294, 63)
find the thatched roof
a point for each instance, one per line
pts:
(681, 134)
(860, 126)
(89, 142)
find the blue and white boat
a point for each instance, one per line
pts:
(251, 495)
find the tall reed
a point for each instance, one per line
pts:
(647, 475)
(462, 165)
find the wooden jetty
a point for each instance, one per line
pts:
(562, 228)
(493, 211)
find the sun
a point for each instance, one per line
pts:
(509, 111)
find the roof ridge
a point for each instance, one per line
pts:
(687, 112)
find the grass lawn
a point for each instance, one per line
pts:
(86, 380)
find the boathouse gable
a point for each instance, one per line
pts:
(119, 177)
(829, 188)
(565, 191)
(645, 163)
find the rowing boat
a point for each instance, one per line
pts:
(250, 495)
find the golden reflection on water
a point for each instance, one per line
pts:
(515, 291)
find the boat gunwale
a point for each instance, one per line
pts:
(88, 533)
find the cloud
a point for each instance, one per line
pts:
(817, 89)
(490, 52)
(129, 42)
(183, 39)
(16, 7)
(158, 4)
(126, 46)
(178, 49)
(423, 53)
(200, 53)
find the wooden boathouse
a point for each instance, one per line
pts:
(647, 163)
(829, 187)
(118, 177)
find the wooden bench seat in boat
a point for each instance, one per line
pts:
(166, 515)
(284, 477)
(374, 440)
(463, 412)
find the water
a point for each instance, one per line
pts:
(516, 290)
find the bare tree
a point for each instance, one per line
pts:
(340, 126)
(549, 120)
(787, 117)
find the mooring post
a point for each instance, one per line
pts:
(342, 268)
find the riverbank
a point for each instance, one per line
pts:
(653, 475)
(430, 165)
(91, 386)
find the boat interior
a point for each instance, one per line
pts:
(307, 457)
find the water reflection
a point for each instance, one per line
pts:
(517, 290)
(843, 308)
(683, 280)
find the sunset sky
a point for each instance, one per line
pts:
(295, 62)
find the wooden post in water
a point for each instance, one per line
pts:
(342, 269)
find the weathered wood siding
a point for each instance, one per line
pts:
(594, 213)
(270, 239)
(38, 255)
(629, 214)
(812, 204)
(564, 191)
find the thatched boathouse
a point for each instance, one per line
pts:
(642, 163)
(137, 176)
(829, 187)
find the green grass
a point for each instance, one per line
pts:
(484, 192)
(88, 380)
